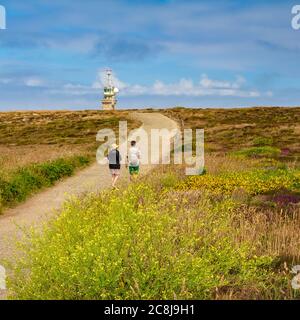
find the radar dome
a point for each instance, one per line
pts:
(116, 90)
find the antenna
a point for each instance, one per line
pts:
(109, 78)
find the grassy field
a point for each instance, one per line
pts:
(231, 233)
(39, 148)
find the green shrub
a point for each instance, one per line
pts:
(26, 181)
(55, 170)
(262, 141)
(22, 183)
(259, 152)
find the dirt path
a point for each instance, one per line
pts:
(42, 206)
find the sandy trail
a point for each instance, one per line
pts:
(39, 208)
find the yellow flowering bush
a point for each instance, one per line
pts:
(137, 244)
(253, 182)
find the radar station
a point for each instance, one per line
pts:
(109, 101)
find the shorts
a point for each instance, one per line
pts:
(134, 170)
(115, 172)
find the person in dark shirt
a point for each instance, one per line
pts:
(114, 162)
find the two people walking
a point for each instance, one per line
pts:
(132, 162)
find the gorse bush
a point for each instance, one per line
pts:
(26, 181)
(140, 244)
(253, 182)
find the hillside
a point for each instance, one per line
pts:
(229, 130)
(231, 232)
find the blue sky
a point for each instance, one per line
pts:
(216, 53)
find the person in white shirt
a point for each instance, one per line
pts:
(133, 160)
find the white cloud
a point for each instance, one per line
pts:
(205, 82)
(184, 87)
(34, 82)
(27, 81)
(187, 87)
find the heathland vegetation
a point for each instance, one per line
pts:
(39, 148)
(230, 233)
(250, 131)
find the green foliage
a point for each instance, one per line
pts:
(204, 172)
(259, 152)
(169, 180)
(262, 141)
(28, 180)
(22, 183)
(269, 163)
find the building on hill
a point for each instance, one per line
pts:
(109, 100)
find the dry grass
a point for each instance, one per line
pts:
(232, 129)
(39, 136)
(217, 163)
(15, 157)
(272, 231)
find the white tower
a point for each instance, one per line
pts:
(109, 93)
